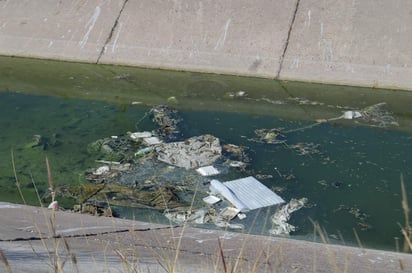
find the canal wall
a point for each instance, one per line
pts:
(361, 43)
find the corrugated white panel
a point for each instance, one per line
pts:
(252, 193)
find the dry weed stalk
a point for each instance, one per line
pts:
(222, 256)
(331, 256)
(407, 230)
(17, 180)
(5, 261)
(56, 261)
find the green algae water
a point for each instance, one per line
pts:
(349, 172)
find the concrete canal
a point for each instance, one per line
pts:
(342, 148)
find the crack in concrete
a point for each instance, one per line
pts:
(287, 40)
(116, 22)
(39, 238)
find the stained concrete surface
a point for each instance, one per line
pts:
(243, 37)
(359, 43)
(63, 30)
(364, 43)
(96, 244)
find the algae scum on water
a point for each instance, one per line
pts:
(345, 167)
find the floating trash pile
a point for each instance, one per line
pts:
(376, 115)
(191, 153)
(165, 169)
(159, 170)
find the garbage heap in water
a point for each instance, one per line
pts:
(159, 170)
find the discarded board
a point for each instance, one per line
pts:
(207, 171)
(139, 135)
(211, 199)
(246, 193)
(151, 141)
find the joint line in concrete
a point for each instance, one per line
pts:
(287, 39)
(58, 236)
(116, 22)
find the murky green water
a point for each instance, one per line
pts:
(352, 179)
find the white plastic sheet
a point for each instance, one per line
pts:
(246, 193)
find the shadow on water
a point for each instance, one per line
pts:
(350, 174)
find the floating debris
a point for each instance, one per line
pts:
(358, 214)
(304, 101)
(207, 171)
(101, 170)
(305, 148)
(139, 136)
(192, 216)
(264, 176)
(275, 102)
(282, 215)
(234, 151)
(238, 94)
(374, 115)
(271, 136)
(107, 173)
(192, 153)
(228, 213)
(351, 114)
(143, 151)
(113, 149)
(203, 216)
(168, 121)
(152, 170)
(246, 193)
(278, 189)
(211, 199)
(151, 141)
(378, 115)
(156, 197)
(94, 209)
(172, 99)
(236, 164)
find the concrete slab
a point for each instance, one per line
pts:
(27, 222)
(241, 37)
(144, 247)
(65, 30)
(26, 238)
(364, 43)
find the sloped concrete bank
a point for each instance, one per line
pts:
(360, 43)
(84, 243)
